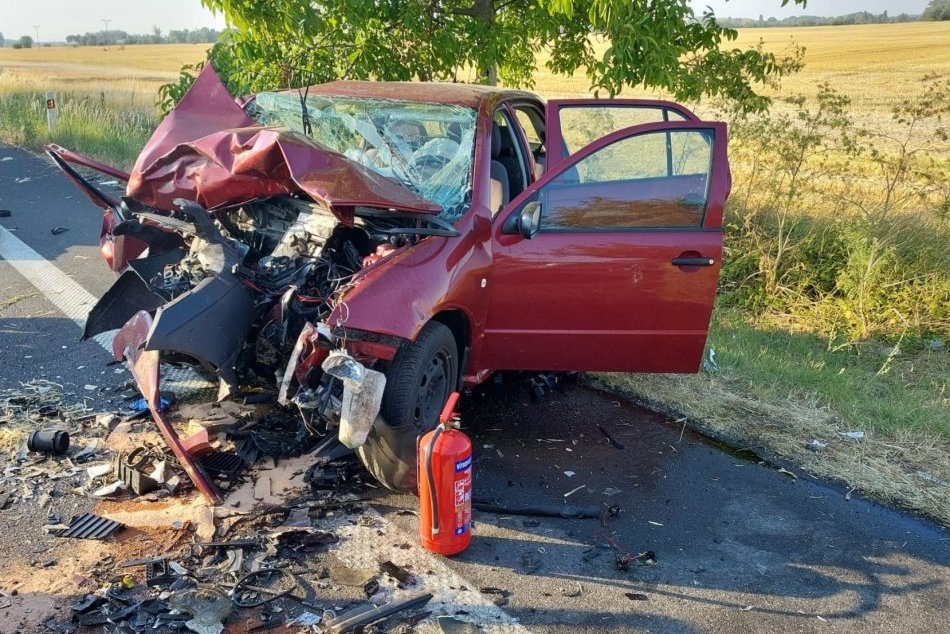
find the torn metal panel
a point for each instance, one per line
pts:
(144, 365)
(207, 150)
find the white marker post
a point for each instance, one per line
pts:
(51, 112)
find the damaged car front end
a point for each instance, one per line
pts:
(245, 225)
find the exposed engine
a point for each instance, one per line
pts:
(294, 254)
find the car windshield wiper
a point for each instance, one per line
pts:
(305, 112)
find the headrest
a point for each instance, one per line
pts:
(495, 140)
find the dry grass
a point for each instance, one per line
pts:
(778, 391)
(908, 468)
(905, 456)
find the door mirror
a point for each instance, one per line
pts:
(529, 220)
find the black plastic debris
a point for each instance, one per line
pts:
(157, 570)
(90, 526)
(567, 511)
(223, 464)
(400, 574)
(5, 213)
(87, 604)
(498, 595)
(54, 441)
(58, 230)
(262, 586)
(636, 596)
(360, 617)
(275, 435)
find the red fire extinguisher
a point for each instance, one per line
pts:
(445, 485)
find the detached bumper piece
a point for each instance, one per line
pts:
(129, 345)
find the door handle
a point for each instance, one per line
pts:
(681, 261)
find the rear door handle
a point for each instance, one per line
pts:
(693, 261)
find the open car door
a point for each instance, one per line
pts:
(622, 273)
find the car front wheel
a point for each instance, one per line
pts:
(418, 383)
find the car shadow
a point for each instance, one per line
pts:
(734, 538)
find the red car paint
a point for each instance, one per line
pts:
(610, 301)
(208, 151)
(580, 300)
(145, 366)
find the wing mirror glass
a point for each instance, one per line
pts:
(529, 220)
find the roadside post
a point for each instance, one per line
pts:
(51, 112)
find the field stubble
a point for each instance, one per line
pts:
(783, 382)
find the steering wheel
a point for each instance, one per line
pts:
(435, 154)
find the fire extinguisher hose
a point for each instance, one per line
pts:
(433, 498)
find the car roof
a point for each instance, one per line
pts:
(468, 95)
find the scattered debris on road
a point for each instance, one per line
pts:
(852, 435)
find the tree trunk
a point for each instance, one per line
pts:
(484, 11)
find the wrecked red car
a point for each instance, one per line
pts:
(367, 248)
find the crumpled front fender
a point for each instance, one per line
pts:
(129, 345)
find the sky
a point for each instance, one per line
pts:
(58, 18)
(825, 8)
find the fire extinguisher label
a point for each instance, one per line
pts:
(463, 496)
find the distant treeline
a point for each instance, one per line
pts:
(184, 36)
(861, 17)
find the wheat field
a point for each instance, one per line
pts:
(770, 373)
(876, 64)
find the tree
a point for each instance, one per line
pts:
(651, 43)
(25, 42)
(937, 10)
(1, 40)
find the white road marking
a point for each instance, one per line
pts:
(75, 302)
(69, 297)
(361, 544)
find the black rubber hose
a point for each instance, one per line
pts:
(432, 491)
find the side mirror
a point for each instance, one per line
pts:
(529, 220)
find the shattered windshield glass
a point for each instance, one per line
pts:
(426, 147)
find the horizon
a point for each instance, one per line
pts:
(77, 17)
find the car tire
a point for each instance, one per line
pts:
(418, 383)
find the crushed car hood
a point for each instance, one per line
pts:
(209, 151)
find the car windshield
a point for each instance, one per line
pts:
(427, 147)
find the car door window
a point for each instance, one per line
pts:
(531, 122)
(582, 125)
(510, 155)
(657, 179)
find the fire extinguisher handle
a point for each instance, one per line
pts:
(433, 496)
(449, 408)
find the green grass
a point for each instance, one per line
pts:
(866, 385)
(779, 386)
(778, 390)
(87, 124)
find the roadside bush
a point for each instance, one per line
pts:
(839, 229)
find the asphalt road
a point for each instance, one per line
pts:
(740, 546)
